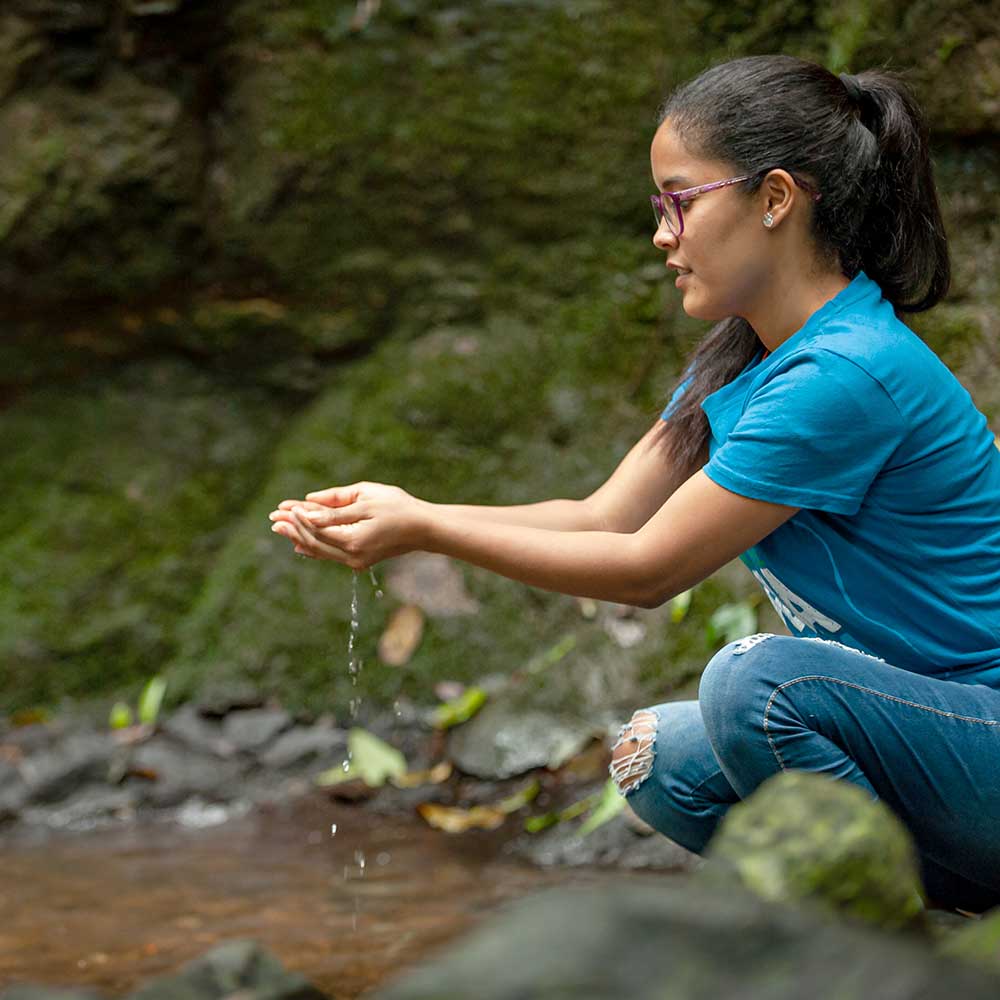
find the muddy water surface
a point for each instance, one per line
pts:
(111, 909)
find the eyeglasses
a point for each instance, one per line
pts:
(667, 205)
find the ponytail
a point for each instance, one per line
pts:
(901, 244)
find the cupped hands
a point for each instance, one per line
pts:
(357, 525)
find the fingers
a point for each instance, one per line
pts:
(336, 496)
(309, 505)
(307, 543)
(327, 517)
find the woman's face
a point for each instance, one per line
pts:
(723, 247)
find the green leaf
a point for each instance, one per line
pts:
(535, 824)
(732, 622)
(151, 699)
(121, 716)
(679, 606)
(519, 799)
(370, 759)
(552, 655)
(610, 804)
(459, 709)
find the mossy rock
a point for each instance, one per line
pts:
(978, 942)
(118, 493)
(807, 837)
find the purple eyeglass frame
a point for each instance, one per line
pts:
(660, 208)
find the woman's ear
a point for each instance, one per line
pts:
(777, 193)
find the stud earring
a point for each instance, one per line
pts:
(768, 220)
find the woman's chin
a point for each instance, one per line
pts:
(696, 308)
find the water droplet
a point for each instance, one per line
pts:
(333, 829)
(382, 858)
(346, 766)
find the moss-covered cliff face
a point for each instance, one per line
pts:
(259, 247)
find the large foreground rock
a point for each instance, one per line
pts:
(235, 969)
(686, 941)
(803, 836)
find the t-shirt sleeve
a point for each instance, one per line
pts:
(814, 435)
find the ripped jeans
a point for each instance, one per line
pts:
(928, 748)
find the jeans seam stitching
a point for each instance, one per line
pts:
(865, 690)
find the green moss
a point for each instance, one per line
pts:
(951, 331)
(117, 497)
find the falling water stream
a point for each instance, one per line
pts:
(354, 665)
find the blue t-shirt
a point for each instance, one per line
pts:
(896, 550)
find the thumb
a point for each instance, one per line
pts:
(335, 496)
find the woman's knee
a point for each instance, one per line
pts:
(664, 766)
(724, 681)
(661, 736)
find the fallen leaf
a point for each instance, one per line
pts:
(461, 709)
(402, 636)
(151, 699)
(552, 655)
(413, 779)
(609, 805)
(120, 716)
(454, 820)
(369, 758)
(519, 799)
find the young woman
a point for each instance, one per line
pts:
(814, 436)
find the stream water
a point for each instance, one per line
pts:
(112, 909)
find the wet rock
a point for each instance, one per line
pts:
(196, 814)
(34, 738)
(613, 843)
(219, 698)
(432, 582)
(13, 791)
(976, 941)
(317, 744)
(254, 728)
(237, 968)
(663, 940)
(82, 147)
(502, 741)
(188, 726)
(391, 801)
(174, 774)
(88, 808)
(54, 774)
(804, 836)
(26, 991)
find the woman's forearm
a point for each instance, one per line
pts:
(554, 515)
(602, 565)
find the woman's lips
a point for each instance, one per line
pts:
(681, 275)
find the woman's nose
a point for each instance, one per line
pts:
(664, 238)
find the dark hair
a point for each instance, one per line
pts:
(862, 142)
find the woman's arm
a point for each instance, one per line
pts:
(635, 490)
(700, 528)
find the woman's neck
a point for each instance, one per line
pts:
(782, 311)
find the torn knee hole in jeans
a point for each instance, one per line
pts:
(745, 645)
(633, 752)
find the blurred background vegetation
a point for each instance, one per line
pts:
(256, 247)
